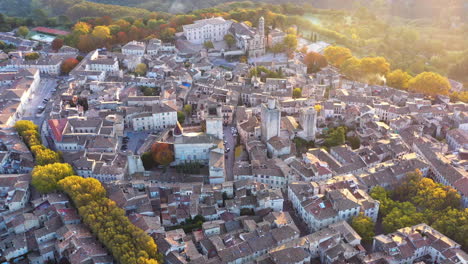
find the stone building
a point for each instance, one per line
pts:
(271, 120)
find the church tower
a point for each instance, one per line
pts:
(308, 121)
(271, 119)
(261, 27)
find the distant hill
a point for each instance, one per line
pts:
(77, 8)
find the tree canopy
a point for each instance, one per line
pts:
(162, 153)
(398, 79)
(364, 226)
(141, 69)
(230, 40)
(336, 55)
(68, 65)
(23, 31)
(45, 178)
(416, 200)
(297, 93)
(429, 83)
(127, 243)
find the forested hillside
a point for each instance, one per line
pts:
(438, 44)
(413, 9)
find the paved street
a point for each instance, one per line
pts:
(287, 207)
(43, 91)
(231, 143)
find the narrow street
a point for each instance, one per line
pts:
(287, 207)
(229, 162)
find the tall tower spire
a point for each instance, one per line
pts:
(261, 26)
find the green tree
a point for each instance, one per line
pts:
(188, 109)
(297, 93)
(208, 45)
(141, 69)
(230, 40)
(403, 215)
(354, 142)
(429, 83)
(148, 161)
(32, 56)
(277, 48)
(290, 43)
(45, 178)
(364, 226)
(23, 31)
(335, 137)
(398, 79)
(180, 117)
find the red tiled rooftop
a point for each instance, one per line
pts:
(57, 126)
(51, 31)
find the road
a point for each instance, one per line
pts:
(229, 162)
(287, 207)
(44, 90)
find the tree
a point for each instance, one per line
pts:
(23, 125)
(82, 28)
(208, 44)
(297, 93)
(459, 96)
(277, 48)
(354, 142)
(398, 79)
(375, 65)
(429, 83)
(167, 34)
(141, 69)
(23, 31)
(45, 178)
(337, 55)
(230, 40)
(101, 32)
(364, 226)
(290, 43)
(57, 43)
(68, 65)
(162, 153)
(352, 68)
(458, 71)
(148, 161)
(122, 37)
(188, 109)
(32, 56)
(180, 117)
(315, 61)
(403, 215)
(318, 108)
(86, 43)
(335, 137)
(44, 155)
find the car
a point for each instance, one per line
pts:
(225, 156)
(227, 150)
